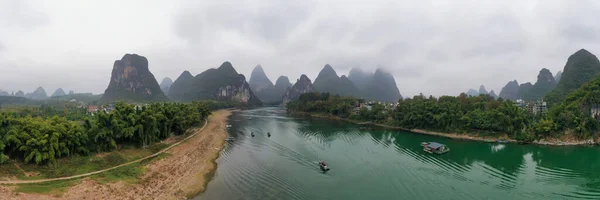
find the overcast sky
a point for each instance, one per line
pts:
(434, 47)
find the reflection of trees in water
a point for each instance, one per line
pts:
(463, 156)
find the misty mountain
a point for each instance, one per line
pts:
(58, 92)
(329, 81)
(264, 89)
(259, 80)
(382, 87)
(179, 89)
(222, 84)
(302, 85)
(524, 89)
(282, 85)
(38, 94)
(166, 84)
(558, 76)
(131, 80)
(544, 84)
(473, 92)
(378, 86)
(482, 90)
(71, 92)
(360, 78)
(581, 67)
(20, 93)
(493, 94)
(510, 91)
(4, 93)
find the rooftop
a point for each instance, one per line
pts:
(435, 145)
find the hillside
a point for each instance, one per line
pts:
(524, 89)
(360, 78)
(382, 87)
(58, 92)
(222, 84)
(179, 89)
(131, 80)
(263, 88)
(482, 90)
(544, 84)
(510, 91)
(38, 94)
(378, 86)
(580, 68)
(328, 81)
(302, 85)
(166, 84)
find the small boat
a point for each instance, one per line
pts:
(229, 139)
(424, 144)
(323, 166)
(228, 126)
(252, 134)
(436, 148)
(268, 134)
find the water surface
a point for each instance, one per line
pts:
(388, 164)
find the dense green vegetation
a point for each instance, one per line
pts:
(465, 114)
(43, 137)
(581, 67)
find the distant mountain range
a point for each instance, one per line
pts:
(302, 85)
(264, 88)
(482, 90)
(222, 83)
(378, 86)
(581, 67)
(329, 81)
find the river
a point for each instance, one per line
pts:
(372, 163)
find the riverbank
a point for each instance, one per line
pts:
(182, 172)
(565, 141)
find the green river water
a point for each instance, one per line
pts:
(388, 164)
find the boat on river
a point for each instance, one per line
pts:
(323, 166)
(435, 148)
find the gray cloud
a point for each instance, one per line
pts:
(434, 47)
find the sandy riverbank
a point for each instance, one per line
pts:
(184, 173)
(566, 141)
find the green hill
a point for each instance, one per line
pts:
(581, 67)
(544, 84)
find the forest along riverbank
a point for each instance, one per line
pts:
(183, 173)
(464, 136)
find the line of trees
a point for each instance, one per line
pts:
(465, 114)
(42, 139)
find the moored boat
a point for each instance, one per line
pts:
(434, 147)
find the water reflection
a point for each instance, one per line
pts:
(388, 164)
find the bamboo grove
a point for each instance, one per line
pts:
(42, 139)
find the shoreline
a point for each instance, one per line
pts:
(546, 142)
(182, 172)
